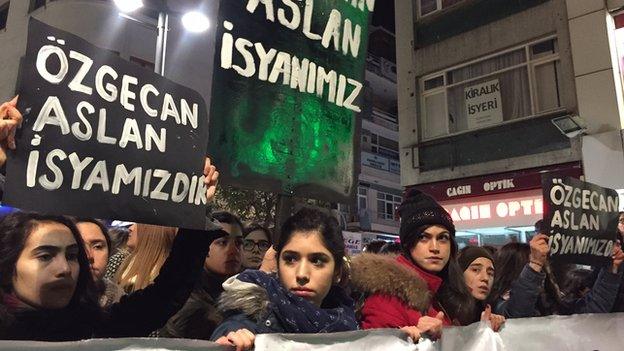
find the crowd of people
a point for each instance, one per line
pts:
(65, 278)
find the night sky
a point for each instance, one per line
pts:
(384, 15)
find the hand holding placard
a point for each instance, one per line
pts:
(211, 180)
(10, 120)
(539, 252)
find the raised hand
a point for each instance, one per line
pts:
(211, 180)
(539, 252)
(618, 257)
(10, 120)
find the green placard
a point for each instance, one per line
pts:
(287, 87)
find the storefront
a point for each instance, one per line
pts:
(499, 208)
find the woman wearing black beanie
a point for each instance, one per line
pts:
(422, 288)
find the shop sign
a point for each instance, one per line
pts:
(374, 161)
(483, 104)
(497, 183)
(395, 166)
(522, 209)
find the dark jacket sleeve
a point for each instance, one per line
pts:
(234, 323)
(602, 296)
(523, 295)
(146, 310)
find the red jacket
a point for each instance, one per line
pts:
(399, 292)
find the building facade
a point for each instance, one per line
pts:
(379, 190)
(483, 85)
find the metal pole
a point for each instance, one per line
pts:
(161, 43)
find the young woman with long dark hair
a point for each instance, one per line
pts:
(304, 295)
(46, 285)
(525, 286)
(423, 288)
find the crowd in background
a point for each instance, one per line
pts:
(66, 278)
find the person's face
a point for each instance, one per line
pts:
(255, 245)
(96, 246)
(46, 272)
(225, 257)
(479, 278)
(433, 250)
(621, 225)
(132, 238)
(306, 267)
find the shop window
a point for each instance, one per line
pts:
(4, 15)
(387, 205)
(517, 83)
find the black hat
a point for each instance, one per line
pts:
(419, 209)
(471, 253)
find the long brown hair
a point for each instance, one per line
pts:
(142, 266)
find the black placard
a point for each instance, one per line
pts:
(581, 220)
(103, 137)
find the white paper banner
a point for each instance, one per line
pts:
(604, 332)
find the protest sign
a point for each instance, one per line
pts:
(581, 220)
(103, 137)
(287, 86)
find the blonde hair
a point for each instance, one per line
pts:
(142, 266)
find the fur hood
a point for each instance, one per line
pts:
(242, 297)
(383, 274)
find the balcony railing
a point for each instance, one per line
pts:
(384, 119)
(381, 66)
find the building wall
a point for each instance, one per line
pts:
(99, 23)
(510, 146)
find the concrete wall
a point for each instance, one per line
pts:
(597, 73)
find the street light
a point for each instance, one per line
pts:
(193, 21)
(128, 5)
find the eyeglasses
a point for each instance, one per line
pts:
(263, 245)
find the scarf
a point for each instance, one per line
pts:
(297, 314)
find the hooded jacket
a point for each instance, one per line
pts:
(397, 292)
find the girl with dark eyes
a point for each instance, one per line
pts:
(423, 288)
(46, 283)
(302, 298)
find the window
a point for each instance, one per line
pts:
(387, 205)
(384, 146)
(517, 83)
(362, 198)
(4, 15)
(430, 6)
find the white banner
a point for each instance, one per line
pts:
(484, 106)
(604, 332)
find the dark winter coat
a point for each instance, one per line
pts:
(135, 315)
(618, 305)
(199, 317)
(398, 292)
(257, 301)
(521, 301)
